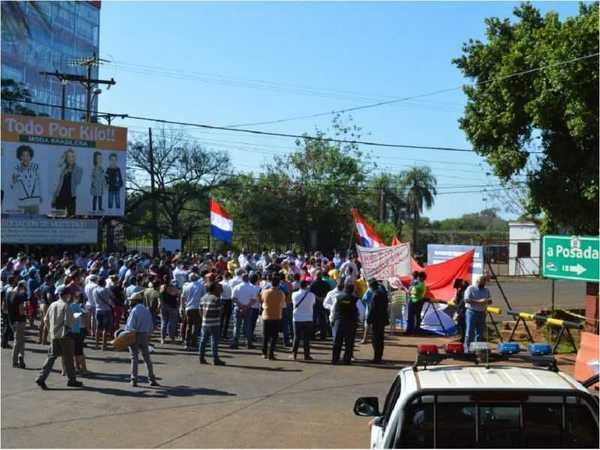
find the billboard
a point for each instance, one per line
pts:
(60, 168)
(42, 230)
(437, 253)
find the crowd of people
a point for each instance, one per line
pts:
(77, 300)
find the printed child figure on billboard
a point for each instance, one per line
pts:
(114, 180)
(25, 181)
(65, 195)
(98, 182)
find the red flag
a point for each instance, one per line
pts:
(368, 236)
(396, 241)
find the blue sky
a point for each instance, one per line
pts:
(231, 63)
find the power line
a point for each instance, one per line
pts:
(272, 133)
(222, 145)
(402, 99)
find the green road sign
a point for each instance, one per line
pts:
(571, 257)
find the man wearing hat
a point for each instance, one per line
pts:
(140, 321)
(60, 320)
(378, 318)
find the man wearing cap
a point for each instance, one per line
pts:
(60, 320)
(191, 294)
(140, 321)
(378, 318)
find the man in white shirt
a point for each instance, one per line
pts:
(244, 295)
(331, 299)
(90, 305)
(237, 279)
(303, 302)
(180, 275)
(349, 271)
(191, 294)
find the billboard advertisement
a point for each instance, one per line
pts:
(437, 253)
(42, 230)
(60, 168)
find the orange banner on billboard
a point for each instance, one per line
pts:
(45, 130)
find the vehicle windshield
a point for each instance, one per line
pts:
(463, 421)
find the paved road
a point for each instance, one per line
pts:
(250, 403)
(533, 294)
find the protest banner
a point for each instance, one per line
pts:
(383, 263)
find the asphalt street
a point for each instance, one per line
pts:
(250, 403)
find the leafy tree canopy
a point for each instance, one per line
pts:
(553, 110)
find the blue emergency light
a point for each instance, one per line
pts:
(508, 348)
(540, 349)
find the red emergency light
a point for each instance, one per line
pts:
(427, 349)
(455, 348)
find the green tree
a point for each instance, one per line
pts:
(303, 198)
(386, 199)
(419, 187)
(185, 175)
(554, 110)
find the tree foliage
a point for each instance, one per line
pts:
(553, 110)
(304, 197)
(184, 174)
(419, 190)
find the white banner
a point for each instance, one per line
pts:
(49, 231)
(383, 263)
(170, 245)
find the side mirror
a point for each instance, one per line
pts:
(367, 407)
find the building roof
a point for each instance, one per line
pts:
(496, 377)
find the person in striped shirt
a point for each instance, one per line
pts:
(210, 306)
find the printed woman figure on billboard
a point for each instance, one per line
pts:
(25, 181)
(98, 182)
(114, 180)
(65, 196)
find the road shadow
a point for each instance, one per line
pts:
(114, 359)
(156, 392)
(268, 369)
(187, 391)
(114, 377)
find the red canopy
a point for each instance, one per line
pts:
(441, 276)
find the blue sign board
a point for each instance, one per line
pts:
(437, 253)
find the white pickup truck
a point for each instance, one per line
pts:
(482, 405)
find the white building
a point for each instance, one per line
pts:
(524, 248)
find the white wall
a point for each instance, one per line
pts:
(522, 232)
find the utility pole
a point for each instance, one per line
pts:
(153, 196)
(89, 83)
